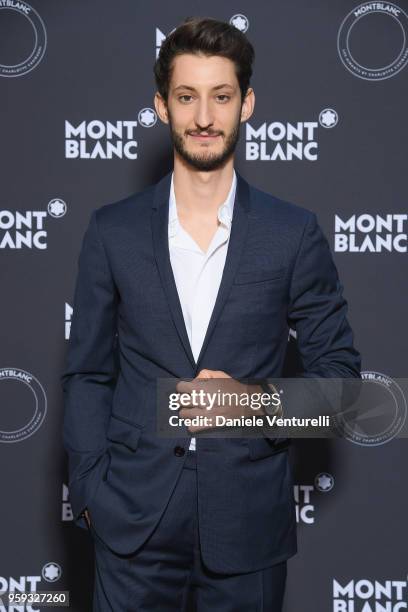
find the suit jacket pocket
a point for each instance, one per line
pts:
(124, 432)
(259, 448)
(259, 275)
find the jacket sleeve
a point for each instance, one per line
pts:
(317, 311)
(89, 376)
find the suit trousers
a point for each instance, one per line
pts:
(167, 573)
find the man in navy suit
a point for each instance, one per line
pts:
(198, 276)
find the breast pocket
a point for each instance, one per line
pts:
(262, 292)
(259, 275)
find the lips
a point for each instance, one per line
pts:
(204, 136)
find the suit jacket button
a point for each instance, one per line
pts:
(179, 451)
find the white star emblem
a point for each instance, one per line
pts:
(147, 117)
(56, 208)
(328, 118)
(51, 572)
(324, 482)
(240, 22)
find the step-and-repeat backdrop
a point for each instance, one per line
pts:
(329, 132)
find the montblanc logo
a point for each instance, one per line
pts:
(68, 314)
(57, 208)
(66, 509)
(100, 140)
(371, 233)
(68, 318)
(11, 63)
(378, 415)
(240, 21)
(147, 117)
(28, 229)
(160, 37)
(376, 31)
(292, 334)
(14, 587)
(363, 595)
(324, 482)
(287, 141)
(106, 139)
(51, 572)
(305, 497)
(328, 118)
(24, 417)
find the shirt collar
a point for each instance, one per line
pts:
(225, 210)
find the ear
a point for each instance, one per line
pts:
(248, 105)
(161, 107)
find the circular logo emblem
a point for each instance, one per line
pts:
(57, 208)
(147, 117)
(378, 414)
(28, 411)
(51, 571)
(328, 118)
(324, 482)
(240, 22)
(372, 41)
(22, 51)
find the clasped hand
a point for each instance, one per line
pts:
(208, 381)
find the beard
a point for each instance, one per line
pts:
(205, 162)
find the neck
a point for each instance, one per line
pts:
(201, 193)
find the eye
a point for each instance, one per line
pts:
(226, 98)
(185, 96)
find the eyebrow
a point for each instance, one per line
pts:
(222, 86)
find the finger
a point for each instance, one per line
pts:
(185, 386)
(213, 374)
(206, 374)
(202, 427)
(189, 413)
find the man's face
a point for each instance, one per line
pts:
(204, 110)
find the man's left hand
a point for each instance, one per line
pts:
(208, 381)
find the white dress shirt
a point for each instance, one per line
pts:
(198, 274)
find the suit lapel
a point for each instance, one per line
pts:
(160, 220)
(239, 227)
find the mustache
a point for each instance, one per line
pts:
(206, 132)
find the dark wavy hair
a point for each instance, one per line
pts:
(203, 35)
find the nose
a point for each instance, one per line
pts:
(203, 117)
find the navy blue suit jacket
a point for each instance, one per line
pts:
(279, 273)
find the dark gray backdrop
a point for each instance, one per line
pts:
(92, 61)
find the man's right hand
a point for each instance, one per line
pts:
(87, 518)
